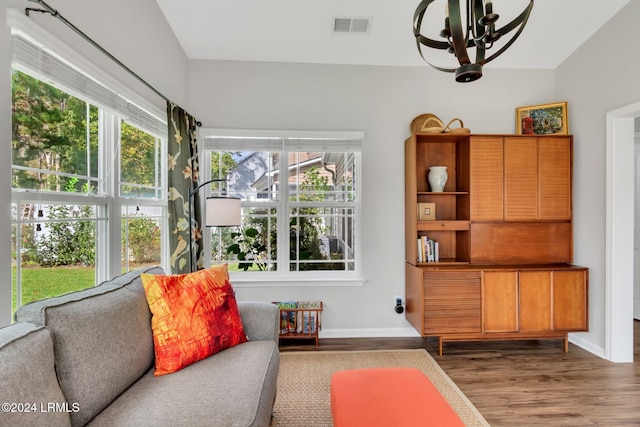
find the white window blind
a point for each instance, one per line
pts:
(273, 140)
(49, 67)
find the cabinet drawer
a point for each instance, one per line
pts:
(452, 302)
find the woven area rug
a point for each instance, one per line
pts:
(303, 396)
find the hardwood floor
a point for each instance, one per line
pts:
(526, 383)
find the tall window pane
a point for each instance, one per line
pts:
(139, 163)
(321, 218)
(54, 250)
(141, 236)
(250, 176)
(55, 138)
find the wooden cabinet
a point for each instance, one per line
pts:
(570, 301)
(500, 301)
(487, 175)
(520, 178)
(534, 300)
(504, 228)
(468, 303)
(501, 189)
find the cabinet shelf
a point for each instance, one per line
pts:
(443, 193)
(442, 262)
(447, 225)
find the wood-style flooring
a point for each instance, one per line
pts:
(526, 383)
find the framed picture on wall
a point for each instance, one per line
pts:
(544, 119)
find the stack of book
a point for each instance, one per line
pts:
(428, 250)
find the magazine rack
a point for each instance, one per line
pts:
(300, 322)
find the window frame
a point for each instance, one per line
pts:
(127, 106)
(283, 142)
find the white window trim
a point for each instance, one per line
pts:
(291, 279)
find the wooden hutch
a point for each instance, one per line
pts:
(505, 239)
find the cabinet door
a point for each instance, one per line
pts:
(451, 302)
(535, 300)
(520, 179)
(570, 300)
(500, 301)
(554, 160)
(486, 175)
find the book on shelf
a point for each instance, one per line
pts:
(428, 250)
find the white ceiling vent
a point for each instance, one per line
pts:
(344, 25)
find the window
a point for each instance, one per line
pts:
(82, 155)
(140, 171)
(55, 140)
(300, 203)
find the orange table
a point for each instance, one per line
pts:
(402, 397)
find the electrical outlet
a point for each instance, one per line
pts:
(399, 306)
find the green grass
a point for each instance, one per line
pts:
(44, 282)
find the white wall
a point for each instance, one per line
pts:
(599, 77)
(135, 32)
(381, 101)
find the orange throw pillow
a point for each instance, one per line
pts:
(193, 316)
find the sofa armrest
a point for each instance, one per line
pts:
(261, 320)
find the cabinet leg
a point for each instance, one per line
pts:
(440, 345)
(566, 343)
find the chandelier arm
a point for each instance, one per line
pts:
(520, 20)
(435, 44)
(419, 13)
(446, 70)
(457, 36)
(417, 24)
(478, 6)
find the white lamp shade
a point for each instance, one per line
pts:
(222, 212)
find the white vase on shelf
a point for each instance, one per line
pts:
(437, 178)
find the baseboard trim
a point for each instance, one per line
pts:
(587, 345)
(369, 333)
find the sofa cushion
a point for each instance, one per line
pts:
(235, 387)
(193, 316)
(28, 382)
(102, 340)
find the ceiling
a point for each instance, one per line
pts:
(301, 30)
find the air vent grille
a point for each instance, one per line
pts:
(351, 25)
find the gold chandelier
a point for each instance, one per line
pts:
(479, 32)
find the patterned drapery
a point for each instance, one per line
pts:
(183, 177)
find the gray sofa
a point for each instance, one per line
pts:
(86, 358)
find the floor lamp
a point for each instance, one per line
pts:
(219, 212)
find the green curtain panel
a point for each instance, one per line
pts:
(183, 177)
